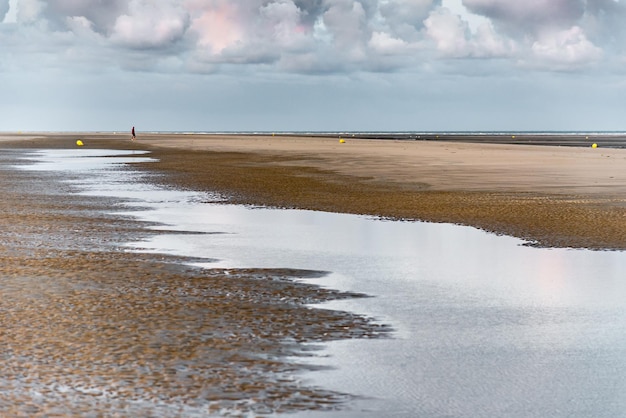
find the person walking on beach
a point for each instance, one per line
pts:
(132, 132)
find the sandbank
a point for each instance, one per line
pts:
(435, 165)
(555, 196)
(549, 195)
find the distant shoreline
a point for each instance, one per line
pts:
(607, 139)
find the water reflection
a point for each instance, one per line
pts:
(486, 326)
(405, 251)
(84, 160)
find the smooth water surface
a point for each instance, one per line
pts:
(484, 325)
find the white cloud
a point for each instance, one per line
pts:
(565, 50)
(322, 35)
(82, 27)
(346, 21)
(472, 19)
(283, 22)
(28, 11)
(449, 32)
(454, 38)
(404, 18)
(150, 25)
(383, 43)
(488, 43)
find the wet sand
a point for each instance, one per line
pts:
(89, 327)
(554, 196)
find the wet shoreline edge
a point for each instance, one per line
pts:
(147, 334)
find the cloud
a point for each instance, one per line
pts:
(310, 10)
(454, 39)
(150, 25)
(551, 34)
(384, 43)
(604, 23)
(345, 20)
(528, 14)
(321, 36)
(28, 11)
(449, 33)
(217, 27)
(404, 18)
(102, 14)
(565, 50)
(488, 43)
(284, 21)
(4, 9)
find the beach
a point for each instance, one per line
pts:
(94, 327)
(90, 328)
(549, 195)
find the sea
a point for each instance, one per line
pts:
(484, 325)
(605, 139)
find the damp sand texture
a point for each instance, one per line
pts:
(90, 329)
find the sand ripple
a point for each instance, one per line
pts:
(89, 329)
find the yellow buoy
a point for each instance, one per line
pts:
(513, 136)
(594, 146)
(341, 141)
(79, 143)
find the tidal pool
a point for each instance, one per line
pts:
(485, 326)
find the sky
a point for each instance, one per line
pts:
(313, 65)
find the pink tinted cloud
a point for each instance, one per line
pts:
(218, 26)
(148, 25)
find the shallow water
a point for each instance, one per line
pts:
(484, 325)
